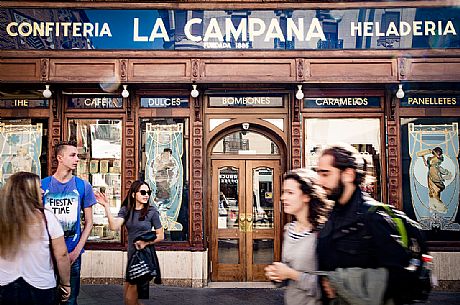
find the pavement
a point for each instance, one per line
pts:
(168, 295)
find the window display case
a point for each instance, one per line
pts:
(99, 145)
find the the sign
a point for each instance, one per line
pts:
(100, 102)
(125, 29)
(342, 102)
(246, 101)
(24, 103)
(164, 102)
(430, 101)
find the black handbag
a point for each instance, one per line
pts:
(141, 267)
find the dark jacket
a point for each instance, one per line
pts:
(354, 237)
(151, 236)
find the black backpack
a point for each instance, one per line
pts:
(417, 271)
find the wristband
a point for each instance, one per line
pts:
(64, 285)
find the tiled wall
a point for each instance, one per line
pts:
(178, 268)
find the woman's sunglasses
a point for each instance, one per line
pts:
(144, 192)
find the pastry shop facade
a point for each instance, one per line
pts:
(211, 103)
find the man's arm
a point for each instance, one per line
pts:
(84, 234)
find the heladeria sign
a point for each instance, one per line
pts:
(365, 28)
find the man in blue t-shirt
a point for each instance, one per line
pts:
(66, 195)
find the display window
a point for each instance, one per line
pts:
(362, 133)
(23, 146)
(99, 145)
(430, 175)
(164, 165)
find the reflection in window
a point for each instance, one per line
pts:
(164, 166)
(99, 149)
(262, 206)
(22, 149)
(228, 251)
(228, 198)
(246, 142)
(363, 134)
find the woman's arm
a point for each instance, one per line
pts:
(160, 235)
(63, 264)
(115, 223)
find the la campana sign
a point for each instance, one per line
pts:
(163, 29)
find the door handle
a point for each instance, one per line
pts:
(249, 220)
(242, 222)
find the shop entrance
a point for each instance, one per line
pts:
(245, 217)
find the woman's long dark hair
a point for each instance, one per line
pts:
(318, 206)
(130, 200)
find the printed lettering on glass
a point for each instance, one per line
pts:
(21, 147)
(164, 170)
(434, 174)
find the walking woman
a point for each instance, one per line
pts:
(26, 266)
(139, 217)
(305, 200)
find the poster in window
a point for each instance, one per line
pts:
(164, 170)
(20, 149)
(434, 174)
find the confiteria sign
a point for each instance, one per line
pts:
(365, 28)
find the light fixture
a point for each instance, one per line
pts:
(47, 92)
(194, 93)
(299, 94)
(125, 92)
(400, 92)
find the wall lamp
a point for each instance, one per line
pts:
(47, 92)
(194, 93)
(299, 94)
(125, 92)
(400, 92)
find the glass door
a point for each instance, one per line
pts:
(245, 218)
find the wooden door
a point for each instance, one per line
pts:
(245, 218)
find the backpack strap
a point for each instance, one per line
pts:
(80, 183)
(397, 220)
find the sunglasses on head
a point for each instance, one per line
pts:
(144, 192)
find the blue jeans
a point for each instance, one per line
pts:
(74, 281)
(20, 292)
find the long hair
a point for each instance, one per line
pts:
(319, 206)
(20, 200)
(130, 200)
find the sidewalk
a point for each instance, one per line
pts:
(167, 295)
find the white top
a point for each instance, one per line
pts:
(33, 262)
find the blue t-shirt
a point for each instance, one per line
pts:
(63, 199)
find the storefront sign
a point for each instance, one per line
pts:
(95, 102)
(342, 102)
(430, 101)
(246, 101)
(125, 29)
(24, 103)
(164, 102)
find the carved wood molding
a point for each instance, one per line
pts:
(403, 68)
(300, 67)
(123, 70)
(394, 181)
(55, 138)
(44, 69)
(195, 69)
(129, 156)
(196, 198)
(296, 140)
